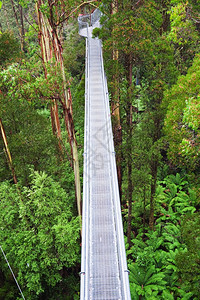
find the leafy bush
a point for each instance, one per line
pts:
(9, 48)
(188, 261)
(38, 232)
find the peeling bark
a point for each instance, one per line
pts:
(51, 47)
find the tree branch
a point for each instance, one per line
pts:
(30, 23)
(75, 9)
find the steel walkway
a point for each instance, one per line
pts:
(104, 273)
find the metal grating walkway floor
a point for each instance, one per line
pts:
(103, 269)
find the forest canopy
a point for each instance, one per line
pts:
(152, 60)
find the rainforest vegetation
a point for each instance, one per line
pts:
(152, 59)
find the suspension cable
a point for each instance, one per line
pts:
(12, 273)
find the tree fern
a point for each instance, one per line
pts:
(145, 281)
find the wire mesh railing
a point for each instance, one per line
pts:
(115, 192)
(85, 221)
(83, 25)
(95, 16)
(85, 29)
(87, 20)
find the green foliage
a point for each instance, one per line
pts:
(25, 98)
(133, 30)
(182, 119)
(161, 67)
(42, 235)
(145, 282)
(29, 137)
(26, 81)
(38, 232)
(157, 259)
(191, 113)
(174, 198)
(144, 69)
(9, 48)
(184, 32)
(188, 261)
(181, 26)
(74, 51)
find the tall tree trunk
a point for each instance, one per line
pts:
(117, 129)
(154, 168)
(51, 46)
(144, 206)
(154, 164)
(47, 56)
(165, 16)
(22, 29)
(129, 150)
(55, 122)
(20, 26)
(7, 151)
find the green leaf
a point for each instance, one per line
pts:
(167, 295)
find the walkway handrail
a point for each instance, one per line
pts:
(95, 16)
(85, 221)
(87, 20)
(115, 192)
(84, 22)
